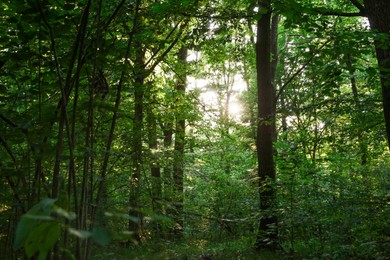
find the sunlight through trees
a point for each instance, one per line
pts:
(194, 129)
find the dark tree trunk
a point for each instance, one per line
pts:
(154, 162)
(167, 187)
(378, 13)
(167, 171)
(59, 147)
(178, 163)
(274, 64)
(137, 133)
(266, 237)
(274, 48)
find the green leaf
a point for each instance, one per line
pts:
(69, 7)
(263, 10)
(38, 213)
(42, 238)
(101, 236)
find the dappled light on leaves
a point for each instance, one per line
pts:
(183, 129)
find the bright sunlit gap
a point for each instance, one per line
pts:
(235, 109)
(210, 99)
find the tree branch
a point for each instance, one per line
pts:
(114, 14)
(8, 149)
(338, 13)
(358, 5)
(9, 179)
(165, 40)
(14, 125)
(169, 48)
(300, 70)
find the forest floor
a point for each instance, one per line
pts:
(186, 250)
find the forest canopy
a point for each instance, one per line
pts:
(193, 129)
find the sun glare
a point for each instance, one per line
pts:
(210, 100)
(235, 109)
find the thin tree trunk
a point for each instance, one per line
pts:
(178, 164)
(252, 115)
(154, 163)
(56, 171)
(137, 133)
(167, 187)
(103, 172)
(65, 92)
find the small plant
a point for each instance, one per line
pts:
(40, 229)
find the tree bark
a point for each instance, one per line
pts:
(266, 236)
(134, 203)
(178, 163)
(378, 13)
(274, 64)
(167, 187)
(155, 169)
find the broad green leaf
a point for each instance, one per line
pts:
(42, 238)
(101, 236)
(38, 213)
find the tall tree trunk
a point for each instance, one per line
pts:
(154, 162)
(274, 64)
(59, 147)
(266, 237)
(252, 105)
(137, 133)
(167, 189)
(140, 74)
(378, 13)
(274, 49)
(178, 163)
(86, 196)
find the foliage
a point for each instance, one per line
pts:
(91, 105)
(39, 230)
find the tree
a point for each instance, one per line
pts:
(378, 13)
(99, 109)
(265, 129)
(142, 70)
(178, 157)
